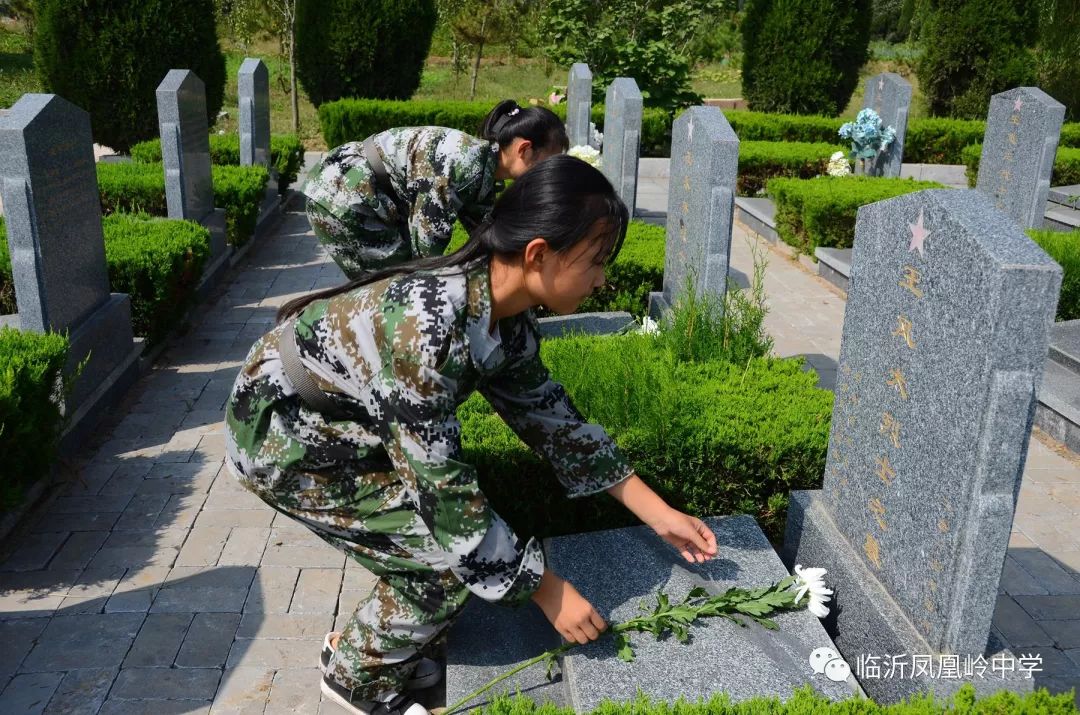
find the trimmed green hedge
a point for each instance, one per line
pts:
(157, 262)
(812, 213)
(1063, 247)
(1066, 165)
(31, 366)
(805, 701)
(711, 437)
(760, 161)
(637, 271)
(349, 120)
(286, 154)
(141, 187)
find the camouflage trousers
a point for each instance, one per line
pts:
(415, 598)
(358, 238)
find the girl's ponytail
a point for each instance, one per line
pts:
(509, 121)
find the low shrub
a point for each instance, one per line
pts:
(940, 141)
(136, 187)
(1065, 249)
(286, 154)
(157, 262)
(1066, 165)
(349, 120)
(760, 161)
(768, 127)
(821, 212)
(31, 390)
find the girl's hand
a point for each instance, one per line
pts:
(688, 534)
(572, 616)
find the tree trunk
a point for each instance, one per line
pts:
(479, 54)
(292, 72)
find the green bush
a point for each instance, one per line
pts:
(940, 141)
(1065, 249)
(109, 56)
(815, 74)
(1066, 170)
(362, 48)
(137, 187)
(821, 212)
(157, 262)
(286, 154)
(349, 120)
(805, 701)
(975, 49)
(760, 161)
(31, 366)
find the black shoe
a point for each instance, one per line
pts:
(427, 673)
(402, 704)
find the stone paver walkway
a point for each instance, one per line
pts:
(155, 584)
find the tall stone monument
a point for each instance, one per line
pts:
(185, 153)
(623, 109)
(701, 205)
(889, 95)
(254, 88)
(52, 209)
(944, 342)
(579, 104)
(1022, 131)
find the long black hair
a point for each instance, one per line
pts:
(560, 200)
(541, 126)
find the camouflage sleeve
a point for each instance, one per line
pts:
(423, 441)
(538, 409)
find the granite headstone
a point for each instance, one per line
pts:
(53, 217)
(701, 205)
(623, 108)
(944, 341)
(579, 104)
(1019, 146)
(185, 145)
(254, 88)
(889, 95)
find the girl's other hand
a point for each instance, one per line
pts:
(572, 616)
(688, 534)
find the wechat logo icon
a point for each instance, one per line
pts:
(829, 662)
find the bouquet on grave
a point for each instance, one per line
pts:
(735, 604)
(867, 135)
(587, 154)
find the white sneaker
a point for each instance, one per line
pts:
(398, 705)
(427, 672)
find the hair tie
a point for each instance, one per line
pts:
(513, 112)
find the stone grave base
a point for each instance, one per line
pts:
(619, 571)
(865, 621)
(658, 306)
(587, 323)
(220, 253)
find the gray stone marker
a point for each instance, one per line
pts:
(254, 87)
(701, 206)
(185, 154)
(1022, 131)
(617, 570)
(579, 104)
(944, 343)
(53, 214)
(587, 323)
(623, 108)
(889, 95)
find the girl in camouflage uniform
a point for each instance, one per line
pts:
(375, 468)
(396, 196)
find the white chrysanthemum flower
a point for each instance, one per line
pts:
(596, 139)
(838, 165)
(586, 154)
(649, 326)
(811, 582)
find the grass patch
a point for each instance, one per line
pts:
(1063, 247)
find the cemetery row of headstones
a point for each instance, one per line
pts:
(50, 195)
(944, 343)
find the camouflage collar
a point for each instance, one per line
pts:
(478, 292)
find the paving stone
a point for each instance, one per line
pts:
(18, 638)
(237, 518)
(34, 551)
(33, 594)
(81, 605)
(1066, 634)
(81, 692)
(71, 642)
(243, 691)
(142, 511)
(1051, 607)
(181, 511)
(303, 626)
(165, 684)
(85, 521)
(316, 591)
(27, 694)
(283, 553)
(358, 578)
(208, 640)
(177, 479)
(1047, 572)
(90, 479)
(179, 449)
(227, 493)
(89, 503)
(134, 556)
(95, 583)
(1019, 629)
(295, 690)
(147, 537)
(1015, 581)
(273, 653)
(272, 589)
(211, 447)
(159, 640)
(78, 550)
(221, 589)
(203, 546)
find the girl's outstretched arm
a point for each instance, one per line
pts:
(688, 534)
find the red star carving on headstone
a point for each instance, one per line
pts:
(1017, 104)
(919, 234)
(881, 83)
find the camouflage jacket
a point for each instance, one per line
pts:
(401, 355)
(438, 173)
